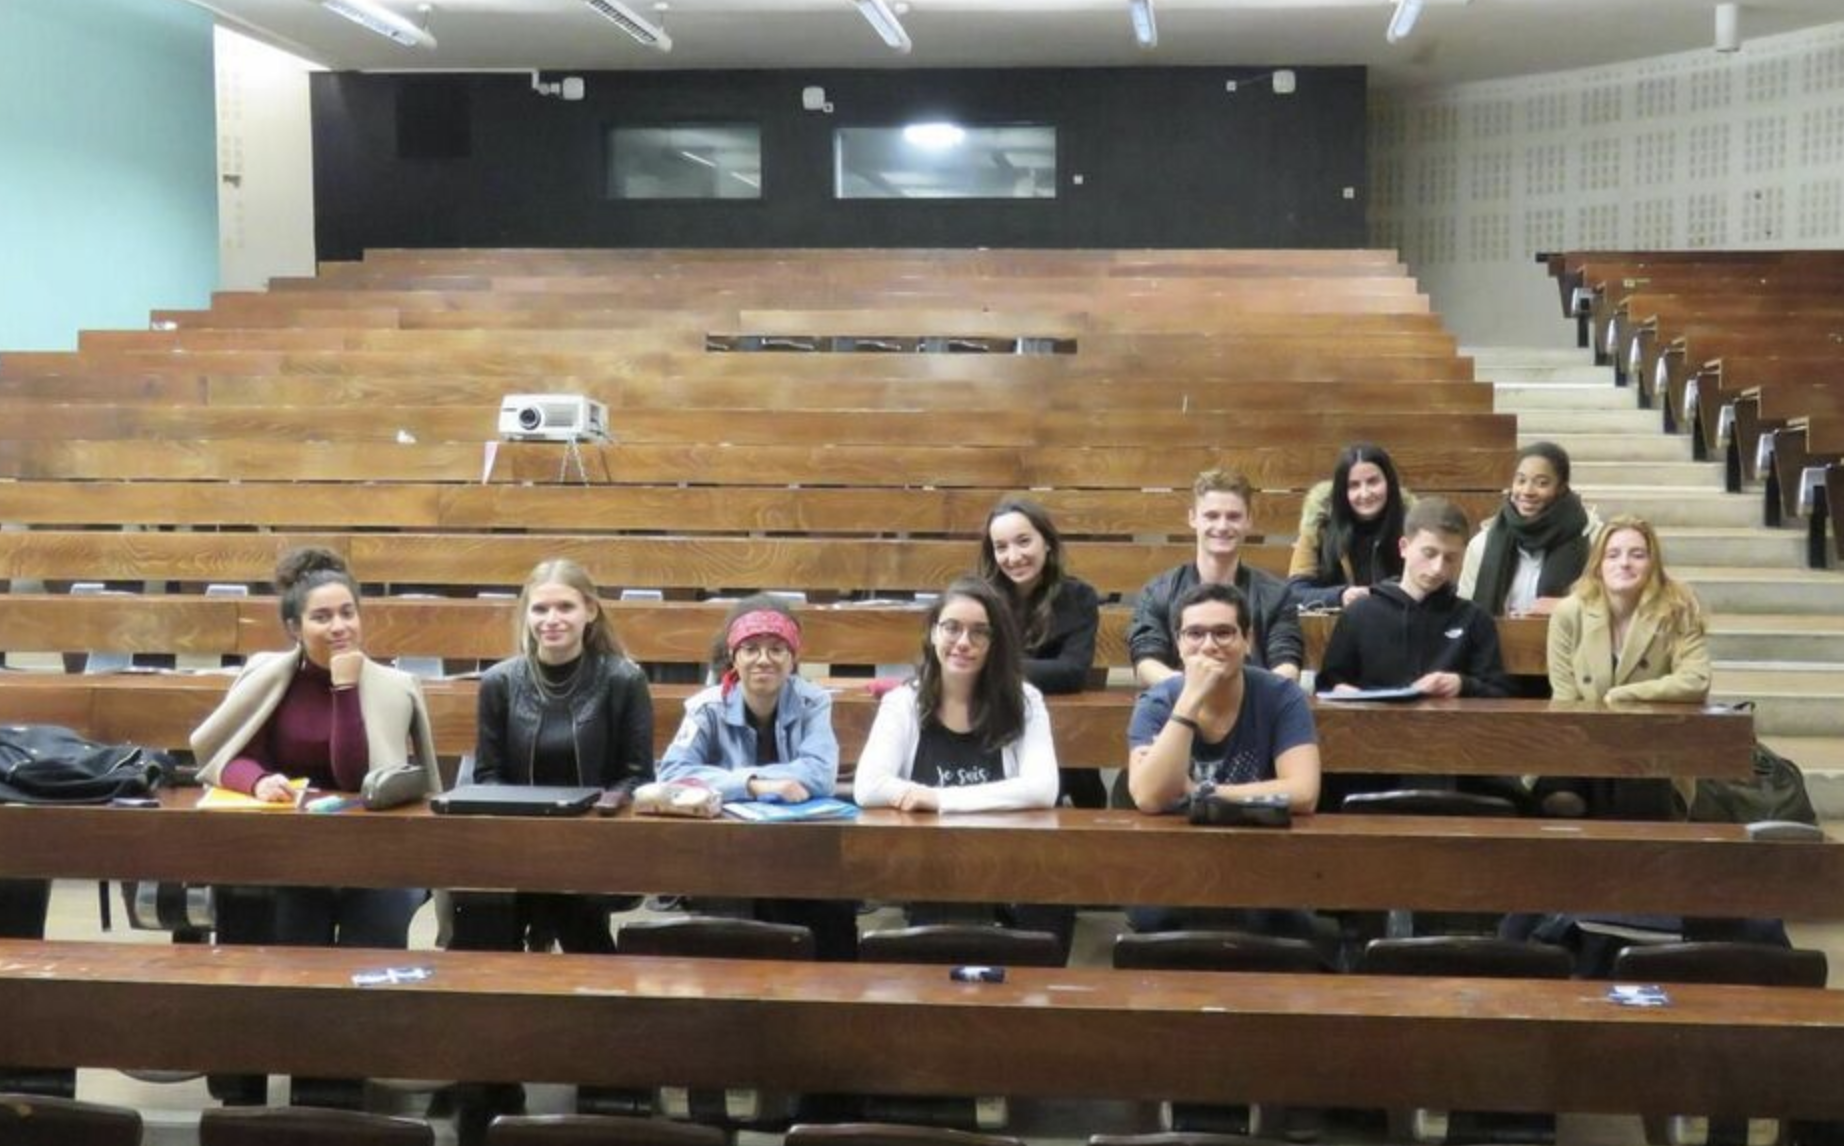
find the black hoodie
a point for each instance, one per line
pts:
(1390, 640)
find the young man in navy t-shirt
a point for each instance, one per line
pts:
(1221, 721)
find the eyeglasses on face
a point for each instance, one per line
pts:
(1219, 634)
(774, 650)
(952, 631)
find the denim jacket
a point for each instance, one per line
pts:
(716, 743)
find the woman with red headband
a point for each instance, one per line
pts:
(764, 733)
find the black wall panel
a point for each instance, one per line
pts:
(1168, 159)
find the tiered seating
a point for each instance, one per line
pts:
(1742, 346)
(839, 473)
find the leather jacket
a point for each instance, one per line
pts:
(612, 712)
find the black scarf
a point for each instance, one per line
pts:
(1558, 533)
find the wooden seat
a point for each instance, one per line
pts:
(889, 1134)
(1752, 964)
(1427, 802)
(1227, 951)
(308, 1126)
(962, 943)
(38, 1120)
(705, 937)
(598, 1130)
(1473, 957)
(1216, 951)
(1469, 956)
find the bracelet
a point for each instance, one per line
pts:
(1183, 722)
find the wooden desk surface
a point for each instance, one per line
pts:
(1437, 737)
(1062, 856)
(1361, 1040)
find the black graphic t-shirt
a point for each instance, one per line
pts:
(947, 759)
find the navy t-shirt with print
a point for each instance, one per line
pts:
(1275, 717)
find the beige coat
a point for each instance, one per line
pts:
(1655, 664)
(396, 718)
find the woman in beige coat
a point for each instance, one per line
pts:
(324, 715)
(1625, 632)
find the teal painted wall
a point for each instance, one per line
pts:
(108, 166)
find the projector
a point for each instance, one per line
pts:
(552, 418)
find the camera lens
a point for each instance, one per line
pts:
(530, 418)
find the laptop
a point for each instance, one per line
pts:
(514, 800)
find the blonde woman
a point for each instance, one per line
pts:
(1625, 632)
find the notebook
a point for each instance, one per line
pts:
(514, 800)
(765, 812)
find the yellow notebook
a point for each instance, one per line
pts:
(226, 800)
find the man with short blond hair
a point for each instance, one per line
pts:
(1222, 514)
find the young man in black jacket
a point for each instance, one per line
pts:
(1417, 632)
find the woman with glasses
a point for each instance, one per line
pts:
(763, 733)
(1221, 722)
(968, 734)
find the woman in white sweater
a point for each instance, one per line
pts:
(968, 734)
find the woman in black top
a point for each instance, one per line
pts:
(1021, 557)
(1350, 530)
(571, 709)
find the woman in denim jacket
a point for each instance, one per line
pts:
(762, 733)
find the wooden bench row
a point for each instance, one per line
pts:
(1370, 1041)
(1427, 468)
(427, 506)
(668, 632)
(759, 426)
(1430, 738)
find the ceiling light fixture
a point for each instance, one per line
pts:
(934, 136)
(1145, 29)
(624, 18)
(1728, 28)
(882, 19)
(1403, 22)
(376, 18)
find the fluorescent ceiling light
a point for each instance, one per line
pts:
(624, 18)
(1145, 30)
(383, 21)
(883, 19)
(696, 158)
(1403, 22)
(933, 136)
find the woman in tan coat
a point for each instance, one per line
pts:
(1625, 632)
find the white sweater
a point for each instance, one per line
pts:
(890, 752)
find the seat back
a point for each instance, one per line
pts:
(1468, 956)
(705, 937)
(598, 1130)
(962, 943)
(308, 1126)
(1749, 964)
(1216, 951)
(1428, 802)
(37, 1120)
(889, 1134)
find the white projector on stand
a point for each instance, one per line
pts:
(552, 418)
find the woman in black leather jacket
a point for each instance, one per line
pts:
(571, 709)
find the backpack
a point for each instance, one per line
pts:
(1777, 792)
(50, 764)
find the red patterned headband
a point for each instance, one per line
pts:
(763, 623)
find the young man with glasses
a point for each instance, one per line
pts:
(1220, 721)
(1222, 514)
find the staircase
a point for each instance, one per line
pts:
(1776, 628)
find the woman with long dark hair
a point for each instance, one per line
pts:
(968, 734)
(1350, 530)
(1058, 615)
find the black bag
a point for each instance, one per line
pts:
(50, 764)
(1777, 792)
